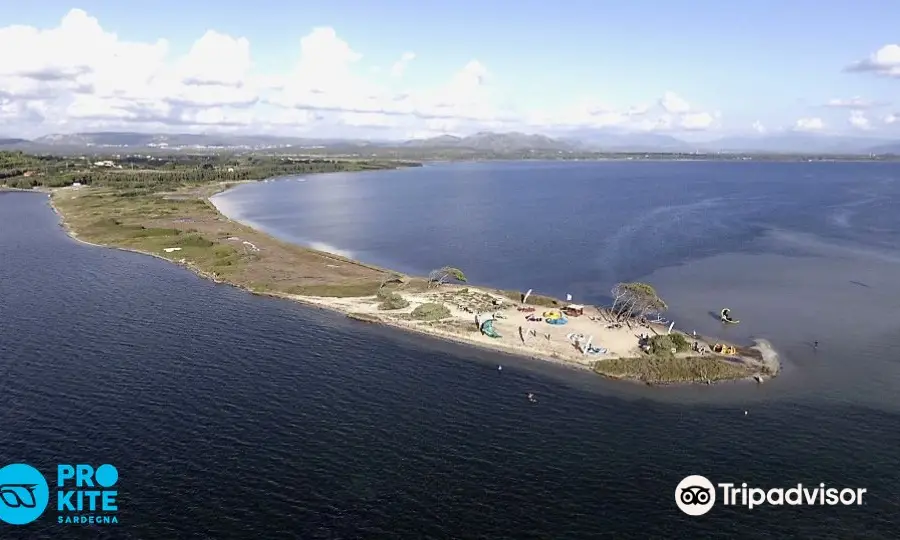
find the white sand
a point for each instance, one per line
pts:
(620, 342)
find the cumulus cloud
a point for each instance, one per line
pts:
(79, 76)
(758, 127)
(673, 103)
(697, 121)
(884, 61)
(399, 66)
(858, 120)
(891, 118)
(811, 124)
(851, 103)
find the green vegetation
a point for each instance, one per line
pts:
(161, 209)
(136, 175)
(680, 342)
(657, 370)
(443, 275)
(430, 312)
(391, 300)
(663, 344)
(336, 290)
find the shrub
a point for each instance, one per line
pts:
(391, 301)
(661, 345)
(430, 312)
(680, 342)
(194, 240)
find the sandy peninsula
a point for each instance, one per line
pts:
(184, 227)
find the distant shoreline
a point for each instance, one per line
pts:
(623, 361)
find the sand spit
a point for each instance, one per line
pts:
(517, 334)
(557, 343)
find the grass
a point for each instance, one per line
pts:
(430, 311)
(151, 222)
(453, 325)
(660, 370)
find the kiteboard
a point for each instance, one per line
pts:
(726, 318)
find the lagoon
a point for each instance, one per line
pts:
(235, 416)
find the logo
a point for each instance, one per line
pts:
(87, 496)
(23, 494)
(695, 495)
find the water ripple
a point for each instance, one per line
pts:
(233, 416)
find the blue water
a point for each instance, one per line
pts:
(235, 416)
(562, 227)
(800, 252)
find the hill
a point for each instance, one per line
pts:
(484, 145)
(493, 142)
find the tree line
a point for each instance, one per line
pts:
(25, 171)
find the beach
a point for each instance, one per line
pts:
(520, 328)
(531, 338)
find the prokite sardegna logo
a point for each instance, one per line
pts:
(83, 495)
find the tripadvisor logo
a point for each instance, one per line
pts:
(84, 495)
(695, 495)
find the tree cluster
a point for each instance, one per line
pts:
(154, 173)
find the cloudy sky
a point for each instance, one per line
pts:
(400, 69)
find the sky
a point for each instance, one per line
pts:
(693, 69)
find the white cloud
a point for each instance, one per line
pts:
(851, 103)
(673, 103)
(891, 118)
(697, 121)
(78, 76)
(759, 127)
(809, 124)
(858, 120)
(399, 66)
(216, 60)
(884, 61)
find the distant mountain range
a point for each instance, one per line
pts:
(484, 144)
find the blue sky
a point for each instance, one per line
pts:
(766, 61)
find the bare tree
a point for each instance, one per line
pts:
(635, 299)
(440, 276)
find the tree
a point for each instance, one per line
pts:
(635, 299)
(441, 275)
